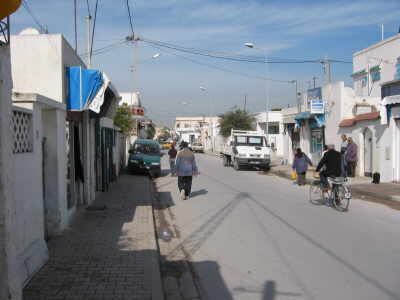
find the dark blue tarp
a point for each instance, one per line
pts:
(82, 87)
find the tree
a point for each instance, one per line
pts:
(123, 119)
(150, 132)
(235, 119)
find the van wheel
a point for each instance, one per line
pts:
(236, 165)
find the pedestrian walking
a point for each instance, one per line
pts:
(351, 157)
(343, 149)
(186, 168)
(172, 156)
(300, 165)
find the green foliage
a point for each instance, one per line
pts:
(123, 119)
(150, 132)
(235, 119)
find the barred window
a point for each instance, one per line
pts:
(22, 130)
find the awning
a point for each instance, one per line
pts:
(83, 87)
(353, 121)
(386, 104)
(303, 115)
(319, 119)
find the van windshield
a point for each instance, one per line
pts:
(146, 149)
(249, 140)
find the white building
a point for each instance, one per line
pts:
(199, 129)
(62, 157)
(275, 129)
(375, 74)
(10, 282)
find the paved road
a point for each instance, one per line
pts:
(253, 236)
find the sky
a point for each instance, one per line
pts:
(170, 85)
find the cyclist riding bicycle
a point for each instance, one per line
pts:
(333, 165)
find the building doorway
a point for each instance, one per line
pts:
(368, 152)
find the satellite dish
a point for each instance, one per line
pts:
(29, 31)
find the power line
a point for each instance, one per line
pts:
(88, 7)
(237, 57)
(94, 27)
(29, 11)
(224, 69)
(130, 16)
(106, 48)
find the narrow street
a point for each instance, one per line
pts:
(253, 236)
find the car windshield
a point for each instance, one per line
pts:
(146, 149)
(249, 140)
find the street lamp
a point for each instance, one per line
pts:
(210, 125)
(264, 52)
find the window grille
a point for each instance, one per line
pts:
(22, 130)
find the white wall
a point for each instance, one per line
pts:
(277, 139)
(388, 50)
(28, 194)
(37, 66)
(10, 284)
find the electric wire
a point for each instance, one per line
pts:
(29, 11)
(238, 57)
(223, 69)
(94, 27)
(88, 8)
(106, 48)
(130, 16)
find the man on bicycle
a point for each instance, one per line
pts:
(332, 161)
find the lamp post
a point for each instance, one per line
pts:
(210, 125)
(264, 52)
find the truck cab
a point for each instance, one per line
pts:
(247, 149)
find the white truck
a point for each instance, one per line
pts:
(246, 149)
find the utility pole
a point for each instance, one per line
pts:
(382, 32)
(314, 78)
(75, 28)
(88, 39)
(326, 67)
(245, 101)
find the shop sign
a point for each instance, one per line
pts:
(314, 97)
(317, 106)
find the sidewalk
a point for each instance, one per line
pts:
(361, 187)
(107, 253)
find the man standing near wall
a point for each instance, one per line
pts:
(343, 149)
(351, 157)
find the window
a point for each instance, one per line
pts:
(363, 81)
(316, 140)
(375, 76)
(178, 125)
(249, 140)
(186, 125)
(273, 128)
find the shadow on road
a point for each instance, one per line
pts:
(198, 193)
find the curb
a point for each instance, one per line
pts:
(359, 194)
(157, 285)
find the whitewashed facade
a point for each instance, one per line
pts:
(10, 282)
(275, 128)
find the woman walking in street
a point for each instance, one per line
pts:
(300, 165)
(185, 168)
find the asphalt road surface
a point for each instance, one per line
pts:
(254, 236)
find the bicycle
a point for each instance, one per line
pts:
(338, 194)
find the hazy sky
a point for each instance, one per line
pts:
(301, 29)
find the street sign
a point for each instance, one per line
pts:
(317, 106)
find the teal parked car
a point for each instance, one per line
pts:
(145, 157)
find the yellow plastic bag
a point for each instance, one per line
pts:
(293, 175)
